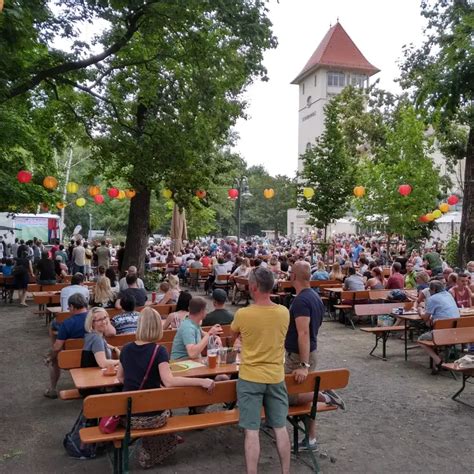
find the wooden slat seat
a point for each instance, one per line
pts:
(380, 329)
(71, 394)
(466, 374)
(347, 308)
(131, 403)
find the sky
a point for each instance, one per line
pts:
(380, 29)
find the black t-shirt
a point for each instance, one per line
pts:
(218, 316)
(403, 262)
(307, 304)
(138, 293)
(45, 268)
(135, 359)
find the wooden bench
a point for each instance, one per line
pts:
(466, 374)
(347, 309)
(242, 290)
(130, 403)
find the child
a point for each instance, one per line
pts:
(164, 288)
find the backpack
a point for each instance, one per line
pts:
(397, 295)
(72, 441)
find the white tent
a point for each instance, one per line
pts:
(447, 224)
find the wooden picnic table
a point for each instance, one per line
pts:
(93, 377)
(407, 317)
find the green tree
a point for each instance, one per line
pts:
(440, 73)
(404, 160)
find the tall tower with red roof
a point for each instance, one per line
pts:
(336, 63)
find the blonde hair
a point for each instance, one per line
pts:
(321, 265)
(149, 328)
(423, 276)
(89, 322)
(103, 291)
(246, 262)
(336, 273)
(173, 280)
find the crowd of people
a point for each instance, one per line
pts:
(273, 340)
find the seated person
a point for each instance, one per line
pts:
(410, 276)
(138, 293)
(190, 339)
(172, 295)
(461, 292)
(104, 297)
(126, 322)
(395, 281)
(440, 305)
(354, 282)
(320, 273)
(76, 286)
(163, 289)
(123, 281)
(377, 280)
(174, 320)
(220, 315)
(45, 272)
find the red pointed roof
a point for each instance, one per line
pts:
(337, 50)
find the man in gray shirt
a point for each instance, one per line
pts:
(354, 282)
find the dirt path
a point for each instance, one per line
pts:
(399, 419)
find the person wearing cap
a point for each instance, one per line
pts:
(219, 315)
(60, 267)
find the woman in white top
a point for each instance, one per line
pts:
(241, 271)
(173, 321)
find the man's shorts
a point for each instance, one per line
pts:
(253, 395)
(292, 362)
(426, 336)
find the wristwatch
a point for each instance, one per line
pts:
(304, 365)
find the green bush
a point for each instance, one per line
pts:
(452, 250)
(151, 280)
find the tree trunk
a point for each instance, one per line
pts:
(466, 236)
(137, 231)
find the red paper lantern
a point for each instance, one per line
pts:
(424, 219)
(453, 200)
(113, 192)
(200, 193)
(404, 189)
(233, 193)
(24, 176)
(99, 199)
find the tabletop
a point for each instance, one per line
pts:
(408, 315)
(93, 377)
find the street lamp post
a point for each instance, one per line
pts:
(242, 186)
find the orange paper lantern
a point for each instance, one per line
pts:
(94, 191)
(50, 182)
(130, 193)
(359, 191)
(430, 217)
(444, 207)
(60, 205)
(201, 194)
(268, 193)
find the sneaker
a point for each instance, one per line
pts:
(305, 446)
(335, 399)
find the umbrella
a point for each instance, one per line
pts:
(178, 229)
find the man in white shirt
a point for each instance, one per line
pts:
(76, 286)
(123, 285)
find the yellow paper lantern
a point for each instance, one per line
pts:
(50, 182)
(121, 194)
(93, 191)
(437, 214)
(359, 191)
(60, 205)
(80, 202)
(430, 217)
(308, 193)
(167, 193)
(72, 187)
(130, 193)
(444, 207)
(268, 193)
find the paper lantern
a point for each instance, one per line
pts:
(423, 219)
(233, 193)
(359, 191)
(50, 182)
(93, 191)
(437, 214)
(308, 193)
(167, 193)
(404, 189)
(1, 5)
(453, 200)
(130, 193)
(113, 192)
(268, 193)
(44, 207)
(201, 194)
(443, 207)
(99, 199)
(24, 176)
(121, 194)
(429, 217)
(72, 188)
(60, 205)
(80, 202)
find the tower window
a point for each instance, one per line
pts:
(302, 88)
(358, 80)
(308, 146)
(337, 79)
(315, 80)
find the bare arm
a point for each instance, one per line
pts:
(169, 380)
(117, 304)
(102, 361)
(302, 327)
(109, 330)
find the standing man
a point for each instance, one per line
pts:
(262, 327)
(306, 317)
(78, 258)
(120, 255)
(103, 255)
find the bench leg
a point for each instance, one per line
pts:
(465, 377)
(295, 422)
(118, 462)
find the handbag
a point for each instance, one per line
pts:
(108, 424)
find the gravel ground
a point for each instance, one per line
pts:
(399, 418)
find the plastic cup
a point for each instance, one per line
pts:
(212, 359)
(153, 297)
(223, 356)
